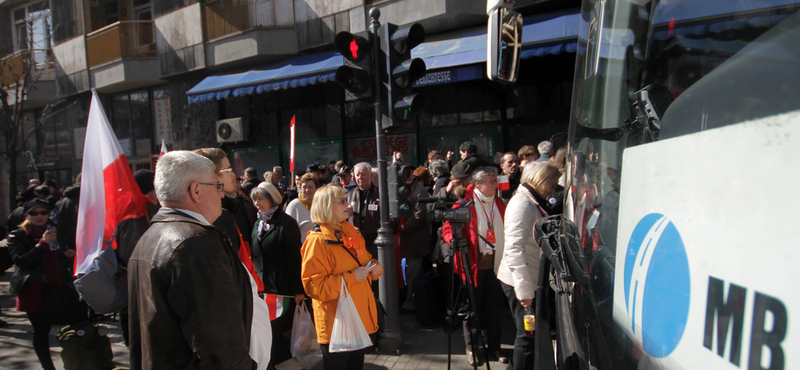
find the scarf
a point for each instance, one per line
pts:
(264, 217)
(305, 201)
(483, 207)
(352, 239)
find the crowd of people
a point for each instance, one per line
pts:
(220, 262)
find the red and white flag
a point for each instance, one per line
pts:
(109, 193)
(163, 148)
(291, 146)
(502, 183)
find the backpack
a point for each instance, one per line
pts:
(105, 286)
(84, 348)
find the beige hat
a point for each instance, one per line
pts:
(273, 192)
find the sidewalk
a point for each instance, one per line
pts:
(424, 348)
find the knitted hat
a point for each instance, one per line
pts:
(145, 179)
(273, 192)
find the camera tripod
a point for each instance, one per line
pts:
(458, 311)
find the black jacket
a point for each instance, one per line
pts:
(190, 302)
(367, 220)
(276, 255)
(28, 258)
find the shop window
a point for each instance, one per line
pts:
(132, 121)
(264, 123)
(360, 117)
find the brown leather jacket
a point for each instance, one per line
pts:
(190, 301)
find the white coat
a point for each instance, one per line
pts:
(519, 267)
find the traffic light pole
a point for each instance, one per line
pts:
(391, 338)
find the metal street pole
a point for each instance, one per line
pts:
(391, 339)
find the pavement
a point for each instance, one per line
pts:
(423, 348)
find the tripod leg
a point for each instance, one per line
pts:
(475, 314)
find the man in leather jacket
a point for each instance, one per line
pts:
(191, 304)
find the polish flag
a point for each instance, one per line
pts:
(163, 148)
(109, 193)
(502, 183)
(291, 146)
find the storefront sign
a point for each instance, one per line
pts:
(143, 147)
(162, 116)
(31, 162)
(443, 76)
(365, 149)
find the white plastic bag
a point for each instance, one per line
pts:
(348, 332)
(304, 337)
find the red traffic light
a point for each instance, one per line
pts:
(353, 47)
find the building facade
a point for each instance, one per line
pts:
(168, 70)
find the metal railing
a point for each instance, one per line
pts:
(39, 62)
(225, 17)
(123, 39)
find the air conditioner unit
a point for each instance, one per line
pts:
(231, 130)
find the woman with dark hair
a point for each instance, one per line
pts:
(275, 247)
(40, 262)
(300, 208)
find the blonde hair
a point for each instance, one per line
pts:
(322, 206)
(536, 174)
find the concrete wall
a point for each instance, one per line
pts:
(71, 68)
(259, 45)
(179, 40)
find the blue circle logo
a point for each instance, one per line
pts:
(657, 284)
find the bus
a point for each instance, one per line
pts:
(676, 248)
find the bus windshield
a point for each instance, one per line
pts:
(650, 71)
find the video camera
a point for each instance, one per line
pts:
(443, 210)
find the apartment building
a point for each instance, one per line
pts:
(169, 70)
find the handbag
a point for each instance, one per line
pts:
(304, 337)
(348, 333)
(105, 286)
(63, 305)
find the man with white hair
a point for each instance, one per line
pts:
(191, 299)
(546, 150)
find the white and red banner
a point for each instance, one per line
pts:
(291, 146)
(163, 148)
(109, 193)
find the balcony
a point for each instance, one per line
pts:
(38, 63)
(122, 56)
(248, 31)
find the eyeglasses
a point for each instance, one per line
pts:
(226, 170)
(219, 185)
(42, 213)
(341, 201)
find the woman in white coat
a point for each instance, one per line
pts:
(519, 268)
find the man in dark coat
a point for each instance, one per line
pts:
(191, 303)
(470, 158)
(251, 180)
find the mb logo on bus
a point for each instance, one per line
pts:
(657, 289)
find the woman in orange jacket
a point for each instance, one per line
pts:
(334, 250)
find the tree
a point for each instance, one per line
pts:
(19, 73)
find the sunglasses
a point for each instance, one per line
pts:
(341, 201)
(41, 213)
(218, 185)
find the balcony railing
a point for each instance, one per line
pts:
(39, 62)
(227, 17)
(120, 40)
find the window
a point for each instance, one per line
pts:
(32, 26)
(132, 121)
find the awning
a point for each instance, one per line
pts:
(696, 18)
(449, 58)
(296, 72)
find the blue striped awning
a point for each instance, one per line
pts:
(296, 72)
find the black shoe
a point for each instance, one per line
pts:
(500, 357)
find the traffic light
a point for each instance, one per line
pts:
(399, 189)
(355, 76)
(402, 71)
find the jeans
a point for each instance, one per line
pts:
(41, 338)
(523, 345)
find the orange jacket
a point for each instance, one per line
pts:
(324, 265)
